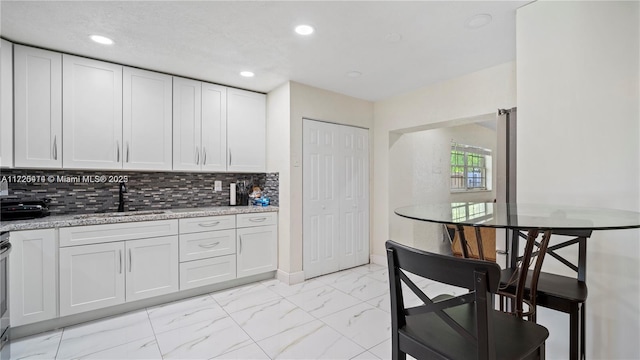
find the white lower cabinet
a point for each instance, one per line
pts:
(101, 275)
(257, 250)
(152, 267)
(91, 277)
(33, 269)
(207, 271)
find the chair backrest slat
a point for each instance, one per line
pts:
(458, 271)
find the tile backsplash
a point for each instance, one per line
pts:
(71, 192)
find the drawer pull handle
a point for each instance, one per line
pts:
(209, 224)
(258, 219)
(210, 245)
(120, 251)
(240, 250)
(130, 261)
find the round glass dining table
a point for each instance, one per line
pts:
(522, 216)
(529, 221)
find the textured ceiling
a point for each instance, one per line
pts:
(215, 40)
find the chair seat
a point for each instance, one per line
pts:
(554, 291)
(517, 339)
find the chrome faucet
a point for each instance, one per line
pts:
(123, 189)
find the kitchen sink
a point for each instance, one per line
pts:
(119, 214)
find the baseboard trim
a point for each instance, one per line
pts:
(378, 259)
(290, 278)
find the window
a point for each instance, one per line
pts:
(470, 168)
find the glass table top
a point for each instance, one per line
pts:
(522, 216)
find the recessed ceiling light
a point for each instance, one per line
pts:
(354, 74)
(304, 29)
(101, 39)
(247, 74)
(478, 21)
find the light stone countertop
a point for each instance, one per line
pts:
(49, 222)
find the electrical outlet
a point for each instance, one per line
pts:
(217, 185)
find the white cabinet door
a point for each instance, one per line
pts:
(152, 267)
(6, 103)
(146, 120)
(186, 124)
(91, 277)
(33, 269)
(246, 131)
(92, 112)
(38, 107)
(214, 127)
(257, 250)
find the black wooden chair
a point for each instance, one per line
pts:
(561, 293)
(463, 327)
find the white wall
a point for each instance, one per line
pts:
(301, 101)
(420, 172)
(466, 97)
(278, 160)
(579, 143)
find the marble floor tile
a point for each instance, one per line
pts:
(323, 301)
(341, 276)
(369, 268)
(313, 340)
(251, 352)
(363, 288)
(380, 275)
(365, 356)
(39, 346)
(366, 325)
(283, 289)
(202, 340)
(270, 318)
(143, 349)
(241, 298)
(383, 351)
(184, 312)
(81, 340)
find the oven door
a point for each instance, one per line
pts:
(5, 249)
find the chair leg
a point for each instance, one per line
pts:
(574, 329)
(583, 346)
(396, 354)
(542, 351)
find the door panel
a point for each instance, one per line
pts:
(91, 277)
(186, 124)
(92, 112)
(152, 267)
(335, 200)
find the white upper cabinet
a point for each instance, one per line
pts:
(214, 127)
(246, 131)
(186, 124)
(146, 120)
(199, 125)
(92, 114)
(38, 107)
(6, 103)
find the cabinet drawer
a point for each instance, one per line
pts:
(207, 244)
(257, 219)
(94, 234)
(206, 272)
(208, 223)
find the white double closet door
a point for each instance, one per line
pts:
(335, 197)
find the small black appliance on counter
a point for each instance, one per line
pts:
(13, 208)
